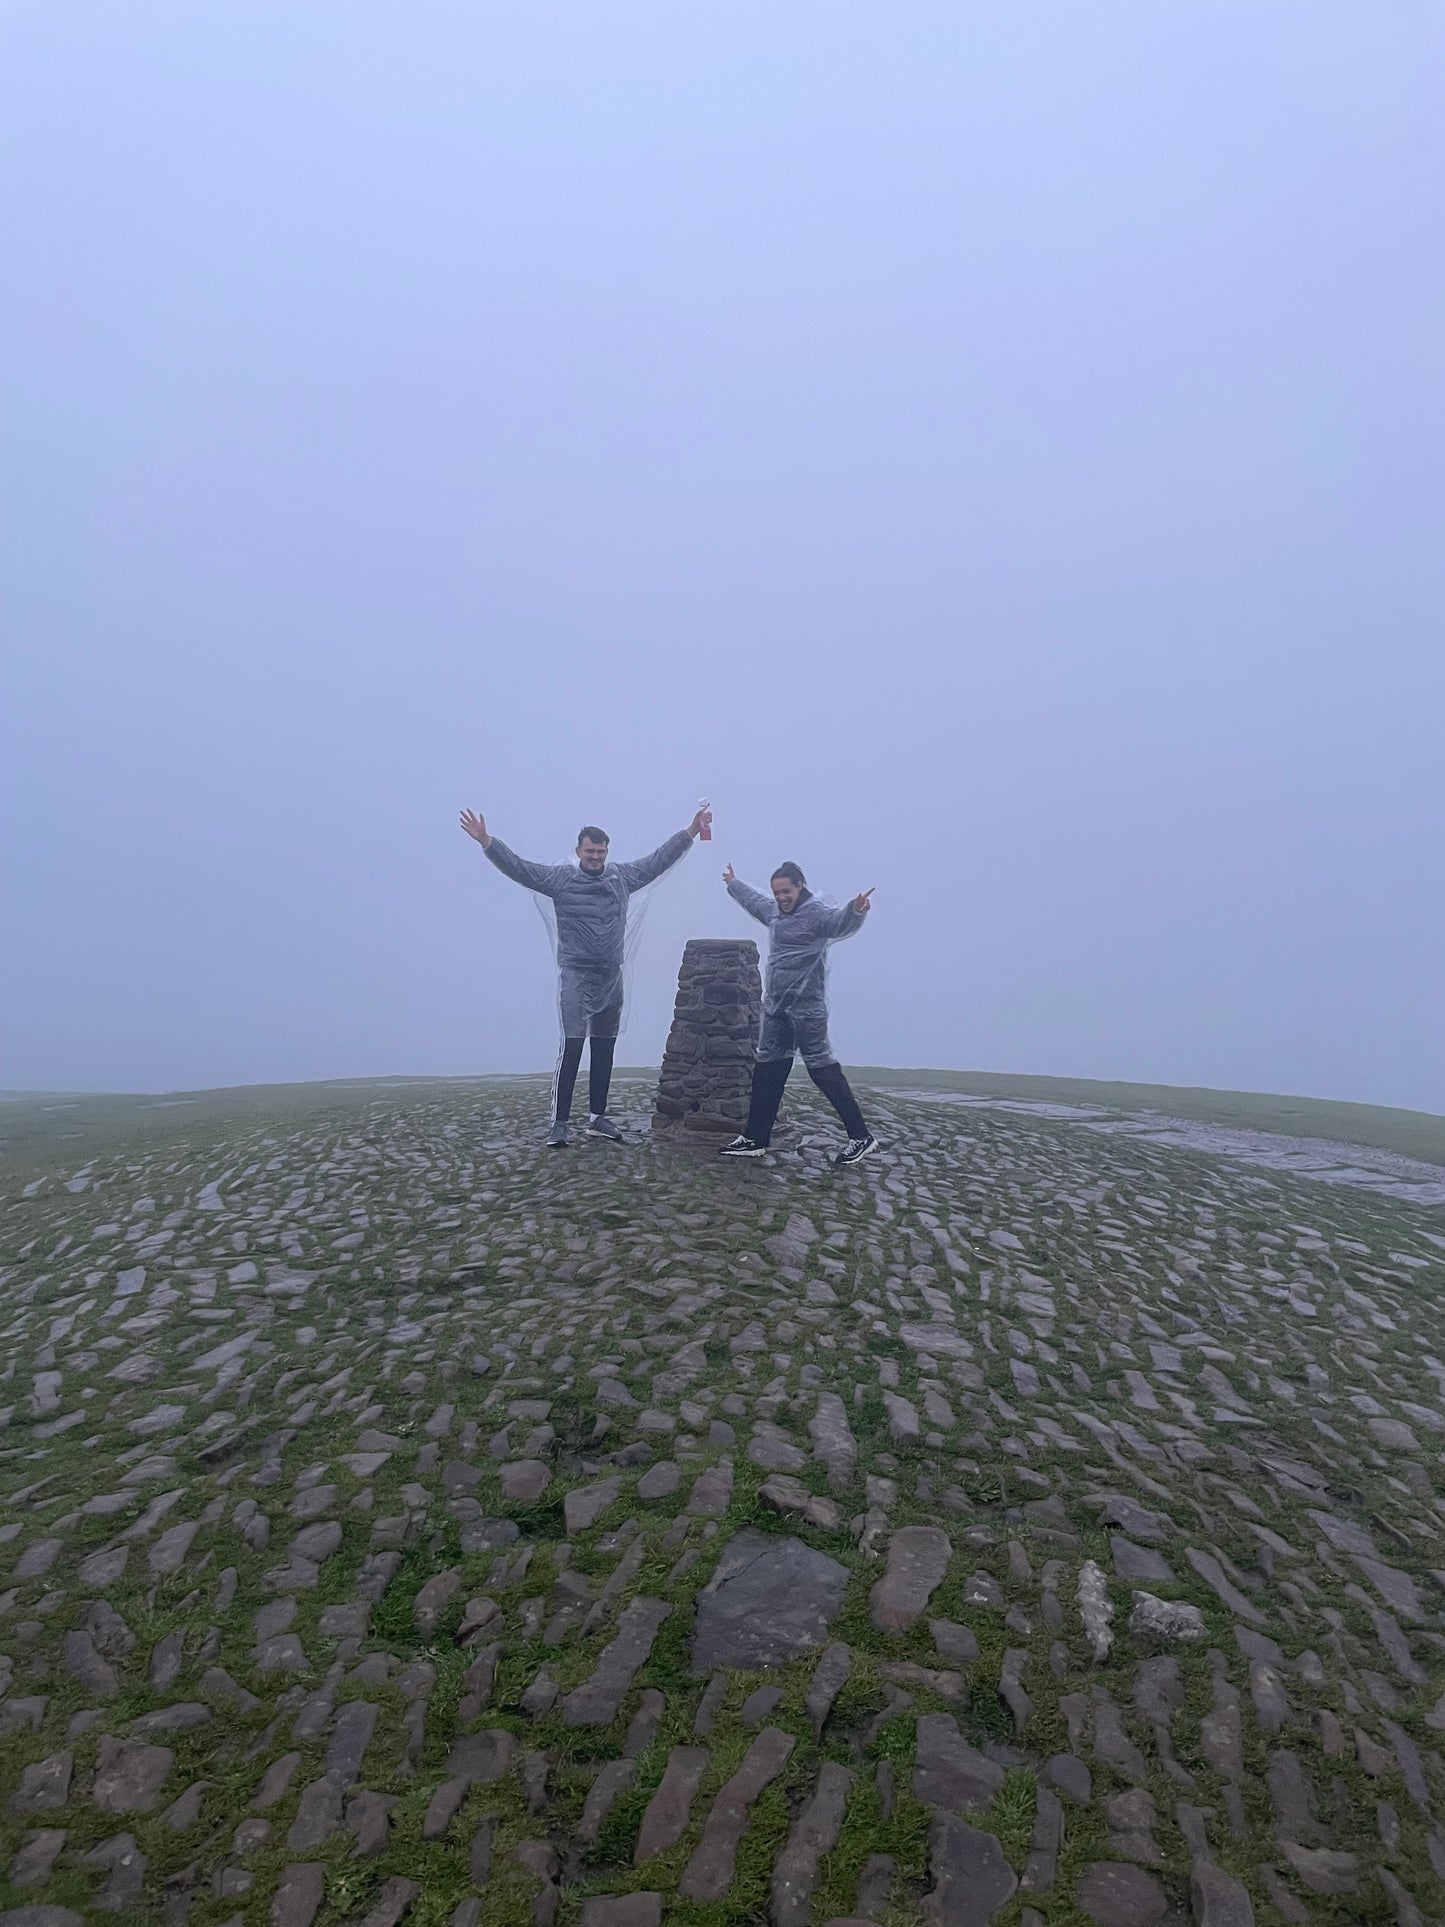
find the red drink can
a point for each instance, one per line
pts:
(705, 833)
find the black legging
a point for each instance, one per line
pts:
(599, 1074)
(769, 1079)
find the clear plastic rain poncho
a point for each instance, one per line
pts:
(594, 923)
(795, 990)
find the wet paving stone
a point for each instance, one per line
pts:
(769, 1599)
(918, 1558)
(400, 1522)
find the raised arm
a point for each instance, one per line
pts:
(753, 901)
(647, 869)
(541, 877)
(849, 918)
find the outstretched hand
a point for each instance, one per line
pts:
(860, 903)
(476, 827)
(728, 876)
(703, 817)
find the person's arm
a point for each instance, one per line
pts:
(849, 918)
(765, 909)
(643, 870)
(540, 877)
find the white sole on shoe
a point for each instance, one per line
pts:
(846, 1164)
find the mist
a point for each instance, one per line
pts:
(995, 455)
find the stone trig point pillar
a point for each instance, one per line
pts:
(707, 1069)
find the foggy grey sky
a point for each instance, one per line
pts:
(996, 452)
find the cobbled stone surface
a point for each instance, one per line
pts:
(401, 1522)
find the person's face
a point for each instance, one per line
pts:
(786, 894)
(592, 856)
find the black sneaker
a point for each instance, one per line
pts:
(604, 1127)
(856, 1149)
(744, 1147)
(559, 1137)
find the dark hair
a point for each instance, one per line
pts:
(792, 873)
(589, 833)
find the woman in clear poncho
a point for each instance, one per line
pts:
(801, 927)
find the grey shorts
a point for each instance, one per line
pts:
(797, 1027)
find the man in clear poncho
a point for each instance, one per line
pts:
(589, 900)
(795, 1006)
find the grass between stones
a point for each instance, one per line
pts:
(1315, 1310)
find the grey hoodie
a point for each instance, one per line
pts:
(797, 943)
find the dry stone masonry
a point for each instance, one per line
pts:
(402, 1525)
(707, 1069)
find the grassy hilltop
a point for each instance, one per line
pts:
(403, 1524)
(33, 1124)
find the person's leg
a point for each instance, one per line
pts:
(572, 1022)
(769, 1081)
(566, 1078)
(603, 1029)
(825, 1070)
(835, 1087)
(599, 1073)
(776, 1044)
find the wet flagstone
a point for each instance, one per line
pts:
(402, 1524)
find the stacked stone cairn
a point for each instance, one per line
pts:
(707, 1068)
